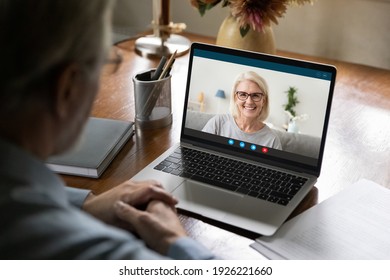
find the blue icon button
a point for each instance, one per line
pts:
(242, 144)
(253, 147)
(231, 142)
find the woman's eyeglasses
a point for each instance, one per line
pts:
(256, 97)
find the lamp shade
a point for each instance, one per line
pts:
(220, 93)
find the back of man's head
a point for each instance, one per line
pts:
(39, 36)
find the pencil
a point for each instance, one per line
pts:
(155, 92)
(168, 65)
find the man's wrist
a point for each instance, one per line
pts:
(87, 199)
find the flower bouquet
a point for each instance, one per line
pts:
(255, 14)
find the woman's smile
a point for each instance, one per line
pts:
(248, 107)
(250, 110)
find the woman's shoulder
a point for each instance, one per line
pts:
(221, 118)
(266, 130)
(270, 132)
(216, 123)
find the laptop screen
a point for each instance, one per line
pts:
(261, 107)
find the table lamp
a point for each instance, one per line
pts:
(163, 42)
(221, 94)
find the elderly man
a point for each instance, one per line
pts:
(52, 53)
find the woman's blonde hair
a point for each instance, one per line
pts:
(257, 79)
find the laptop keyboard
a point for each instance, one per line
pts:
(260, 182)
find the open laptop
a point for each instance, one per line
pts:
(239, 183)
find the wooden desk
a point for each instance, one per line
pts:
(357, 144)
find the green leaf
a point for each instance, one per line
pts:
(202, 9)
(225, 3)
(244, 30)
(292, 100)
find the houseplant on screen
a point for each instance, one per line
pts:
(289, 108)
(249, 23)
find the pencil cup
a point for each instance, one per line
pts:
(152, 100)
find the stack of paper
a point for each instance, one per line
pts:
(352, 225)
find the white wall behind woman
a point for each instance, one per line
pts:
(348, 30)
(312, 93)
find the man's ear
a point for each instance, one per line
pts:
(66, 90)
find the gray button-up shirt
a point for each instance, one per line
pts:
(42, 219)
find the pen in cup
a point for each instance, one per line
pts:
(168, 65)
(159, 68)
(155, 92)
(160, 115)
(169, 69)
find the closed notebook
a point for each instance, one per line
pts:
(100, 142)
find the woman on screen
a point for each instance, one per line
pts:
(249, 107)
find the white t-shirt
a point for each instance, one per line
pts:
(225, 125)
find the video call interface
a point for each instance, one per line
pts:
(210, 89)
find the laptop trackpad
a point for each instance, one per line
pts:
(204, 200)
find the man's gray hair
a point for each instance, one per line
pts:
(39, 36)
